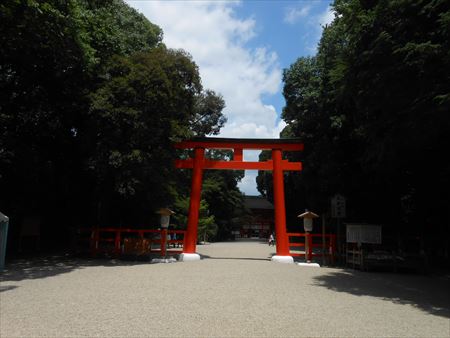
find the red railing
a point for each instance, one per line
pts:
(327, 244)
(119, 237)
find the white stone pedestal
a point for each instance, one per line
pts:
(187, 257)
(283, 259)
(164, 260)
(311, 265)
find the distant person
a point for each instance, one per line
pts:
(271, 240)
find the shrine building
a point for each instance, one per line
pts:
(261, 220)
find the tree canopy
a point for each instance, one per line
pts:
(91, 102)
(372, 109)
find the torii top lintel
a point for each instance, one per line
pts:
(238, 145)
(289, 144)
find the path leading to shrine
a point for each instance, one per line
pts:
(235, 291)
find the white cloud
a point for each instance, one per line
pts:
(309, 13)
(326, 17)
(293, 14)
(216, 39)
(248, 183)
(313, 19)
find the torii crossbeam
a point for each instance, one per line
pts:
(277, 165)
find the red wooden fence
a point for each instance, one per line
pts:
(329, 249)
(118, 236)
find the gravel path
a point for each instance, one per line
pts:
(235, 291)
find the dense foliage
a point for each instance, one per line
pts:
(372, 108)
(91, 102)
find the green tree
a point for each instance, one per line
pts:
(144, 107)
(208, 118)
(223, 198)
(52, 56)
(207, 227)
(371, 108)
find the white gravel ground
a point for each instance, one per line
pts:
(235, 291)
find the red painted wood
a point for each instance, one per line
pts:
(296, 244)
(210, 144)
(190, 239)
(282, 241)
(163, 242)
(277, 165)
(295, 254)
(121, 230)
(302, 234)
(239, 165)
(238, 154)
(330, 244)
(95, 239)
(309, 239)
(117, 243)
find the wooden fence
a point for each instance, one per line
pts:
(120, 241)
(308, 242)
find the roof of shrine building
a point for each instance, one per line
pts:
(257, 202)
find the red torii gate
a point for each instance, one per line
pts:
(276, 164)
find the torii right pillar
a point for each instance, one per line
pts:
(282, 240)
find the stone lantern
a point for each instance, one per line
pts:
(308, 217)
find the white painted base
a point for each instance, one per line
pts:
(283, 259)
(164, 260)
(312, 265)
(187, 257)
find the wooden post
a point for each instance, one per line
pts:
(117, 243)
(190, 241)
(339, 244)
(324, 250)
(163, 242)
(332, 247)
(310, 247)
(280, 211)
(96, 240)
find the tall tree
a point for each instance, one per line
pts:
(372, 108)
(91, 103)
(208, 118)
(52, 56)
(135, 117)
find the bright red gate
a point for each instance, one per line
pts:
(277, 165)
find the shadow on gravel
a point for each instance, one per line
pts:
(47, 266)
(427, 293)
(7, 287)
(236, 258)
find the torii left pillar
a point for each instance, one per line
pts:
(190, 239)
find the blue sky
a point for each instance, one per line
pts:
(290, 28)
(241, 48)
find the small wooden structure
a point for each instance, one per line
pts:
(356, 236)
